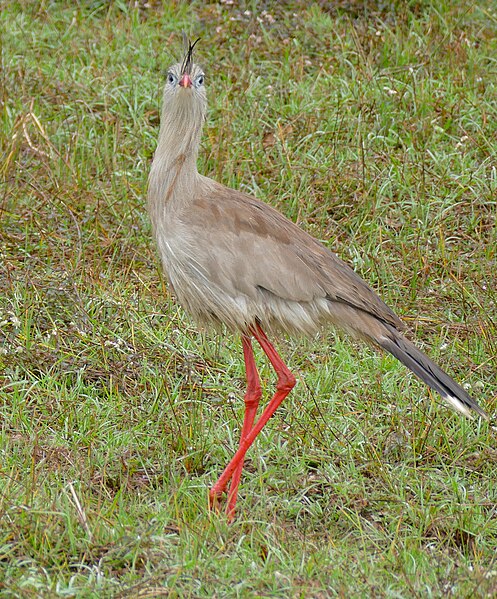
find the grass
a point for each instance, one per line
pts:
(373, 125)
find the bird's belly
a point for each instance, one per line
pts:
(195, 288)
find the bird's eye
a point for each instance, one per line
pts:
(200, 80)
(171, 78)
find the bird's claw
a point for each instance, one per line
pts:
(216, 499)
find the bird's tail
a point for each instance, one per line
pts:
(396, 344)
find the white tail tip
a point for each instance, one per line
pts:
(457, 405)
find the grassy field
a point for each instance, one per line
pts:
(374, 126)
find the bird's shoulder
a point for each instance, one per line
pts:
(238, 212)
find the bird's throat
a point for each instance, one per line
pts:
(174, 168)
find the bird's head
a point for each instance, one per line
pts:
(184, 92)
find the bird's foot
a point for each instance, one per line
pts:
(216, 499)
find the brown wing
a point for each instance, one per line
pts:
(248, 246)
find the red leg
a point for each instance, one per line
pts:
(285, 383)
(252, 398)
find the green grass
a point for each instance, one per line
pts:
(374, 126)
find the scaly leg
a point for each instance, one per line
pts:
(252, 398)
(286, 382)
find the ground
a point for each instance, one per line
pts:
(372, 125)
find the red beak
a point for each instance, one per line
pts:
(185, 81)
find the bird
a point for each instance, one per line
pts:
(235, 263)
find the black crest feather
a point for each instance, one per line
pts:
(186, 67)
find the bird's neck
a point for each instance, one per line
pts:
(174, 173)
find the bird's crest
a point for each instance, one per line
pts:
(186, 67)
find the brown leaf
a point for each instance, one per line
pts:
(268, 140)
